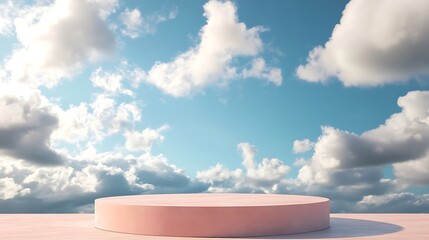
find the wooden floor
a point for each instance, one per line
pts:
(343, 226)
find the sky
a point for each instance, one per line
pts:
(105, 97)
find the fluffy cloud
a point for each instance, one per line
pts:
(222, 39)
(258, 177)
(269, 170)
(259, 69)
(9, 189)
(56, 40)
(301, 146)
(7, 12)
(114, 82)
(345, 187)
(96, 120)
(143, 141)
(348, 167)
(395, 202)
(413, 172)
(403, 137)
(110, 82)
(368, 50)
(74, 188)
(26, 124)
(135, 24)
(132, 19)
(106, 7)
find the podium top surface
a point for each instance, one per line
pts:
(213, 200)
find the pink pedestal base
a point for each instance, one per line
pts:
(212, 215)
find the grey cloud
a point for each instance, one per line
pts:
(29, 139)
(351, 184)
(65, 189)
(160, 179)
(351, 150)
(403, 137)
(405, 202)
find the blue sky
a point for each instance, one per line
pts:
(107, 97)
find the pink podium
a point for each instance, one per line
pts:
(212, 215)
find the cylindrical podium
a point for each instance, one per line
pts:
(212, 215)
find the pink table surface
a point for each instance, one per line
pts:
(343, 226)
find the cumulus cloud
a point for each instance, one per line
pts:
(136, 25)
(114, 82)
(106, 7)
(368, 50)
(94, 121)
(348, 167)
(74, 187)
(143, 141)
(56, 40)
(26, 124)
(301, 146)
(403, 137)
(344, 187)
(269, 170)
(257, 177)
(395, 203)
(8, 10)
(413, 172)
(222, 39)
(9, 189)
(132, 19)
(260, 70)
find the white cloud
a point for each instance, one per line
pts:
(106, 7)
(395, 202)
(96, 120)
(368, 50)
(257, 177)
(347, 166)
(300, 162)
(143, 141)
(73, 124)
(9, 189)
(112, 82)
(269, 170)
(73, 188)
(403, 137)
(57, 40)
(301, 146)
(136, 25)
(260, 70)
(132, 19)
(8, 10)
(222, 39)
(220, 177)
(413, 172)
(402, 140)
(108, 81)
(343, 187)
